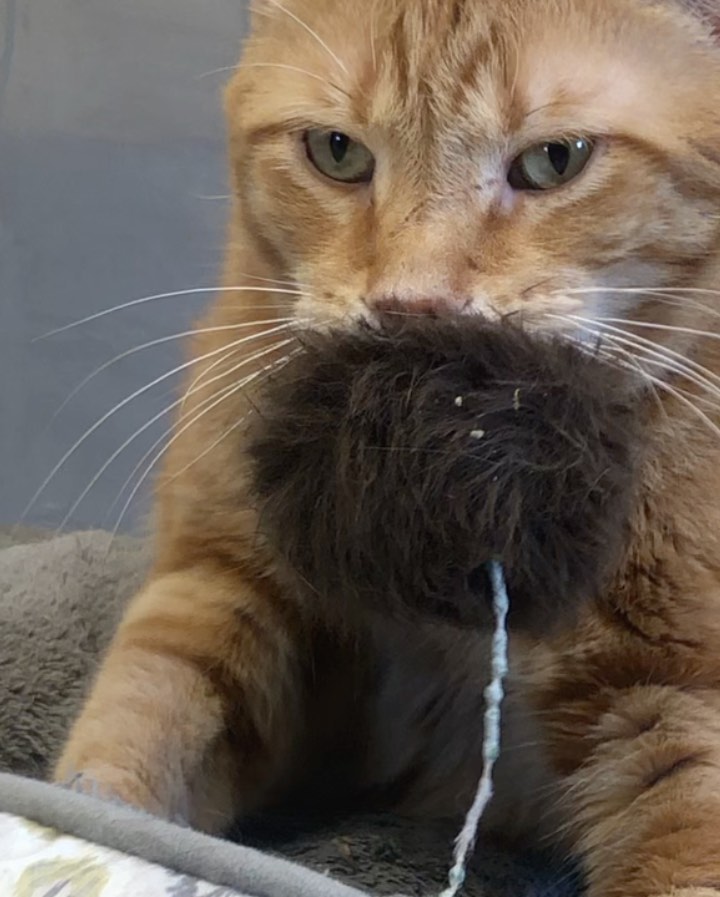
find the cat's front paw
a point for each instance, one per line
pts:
(120, 787)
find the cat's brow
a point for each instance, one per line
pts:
(276, 129)
(295, 69)
(272, 130)
(311, 31)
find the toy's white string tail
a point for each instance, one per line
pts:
(494, 695)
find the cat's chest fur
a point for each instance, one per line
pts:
(426, 728)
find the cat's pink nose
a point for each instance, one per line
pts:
(435, 306)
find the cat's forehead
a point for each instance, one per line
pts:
(502, 60)
(479, 63)
(491, 66)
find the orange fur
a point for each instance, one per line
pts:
(223, 688)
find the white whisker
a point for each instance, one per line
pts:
(217, 399)
(223, 391)
(630, 361)
(292, 68)
(195, 384)
(681, 297)
(579, 291)
(312, 33)
(138, 392)
(650, 325)
(271, 367)
(711, 403)
(685, 302)
(677, 394)
(158, 296)
(666, 387)
(220, 71)
(159, 342)
(685, 368)
(682, 365)
(183, 399)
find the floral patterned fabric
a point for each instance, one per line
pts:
(41, 862)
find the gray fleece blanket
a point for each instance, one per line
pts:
(60, 600)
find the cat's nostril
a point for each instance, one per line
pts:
(435, 306)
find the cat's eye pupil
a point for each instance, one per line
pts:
(339, 145)
(559, 156)
(544, 166)
(338, 156)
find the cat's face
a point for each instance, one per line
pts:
(542, 157)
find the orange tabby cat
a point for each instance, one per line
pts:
(554, 158)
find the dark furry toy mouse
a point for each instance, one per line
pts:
(391, 465)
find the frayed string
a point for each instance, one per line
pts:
(494, 695)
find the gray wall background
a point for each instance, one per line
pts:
(112, 176)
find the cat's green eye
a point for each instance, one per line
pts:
(545, 166)
(339, 157)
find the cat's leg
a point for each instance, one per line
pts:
(643, 801)
(196, 708)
